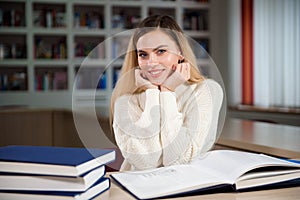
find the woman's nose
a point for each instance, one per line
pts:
(152, 59)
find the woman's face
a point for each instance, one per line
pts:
(157, 53)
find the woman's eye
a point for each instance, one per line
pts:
(142, 55)
(161, 51)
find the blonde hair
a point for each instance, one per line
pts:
(126, 82)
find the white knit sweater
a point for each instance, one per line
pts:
(154, 128)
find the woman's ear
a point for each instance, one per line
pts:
(181, 58)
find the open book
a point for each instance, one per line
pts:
(216, 169)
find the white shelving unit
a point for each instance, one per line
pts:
(38, 81)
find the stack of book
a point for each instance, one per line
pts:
(39, 172)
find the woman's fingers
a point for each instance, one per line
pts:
(184, 70)
(140, 80)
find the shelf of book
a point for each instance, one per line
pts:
(50, 78)
(13, 79)
(12, 45)
(46, 37)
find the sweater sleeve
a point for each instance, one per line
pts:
(187, 133)
(137, 130)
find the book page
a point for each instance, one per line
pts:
(233, 164)
(167, 180)
(262, 174)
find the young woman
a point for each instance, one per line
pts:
(163, 111)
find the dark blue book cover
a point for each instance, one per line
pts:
(37, 182)
(98, 188)
(80, 160)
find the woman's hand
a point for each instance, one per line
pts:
(141, 81)
(180, 75)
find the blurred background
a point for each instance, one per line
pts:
(43, 43)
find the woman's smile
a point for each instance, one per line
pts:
(155, 73)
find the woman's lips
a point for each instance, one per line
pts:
(155, 73)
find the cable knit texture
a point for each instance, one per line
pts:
(155, 129)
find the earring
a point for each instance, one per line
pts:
(181, 59)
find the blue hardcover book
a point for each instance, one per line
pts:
(36, 182)
(98, 188)
(59, 161)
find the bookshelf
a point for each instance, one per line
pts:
(44, 44)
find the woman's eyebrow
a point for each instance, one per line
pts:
(155, 49)
(160, 46)
(141, 51)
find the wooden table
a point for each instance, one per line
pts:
(273, 139)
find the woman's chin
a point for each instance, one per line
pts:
(157, 81)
